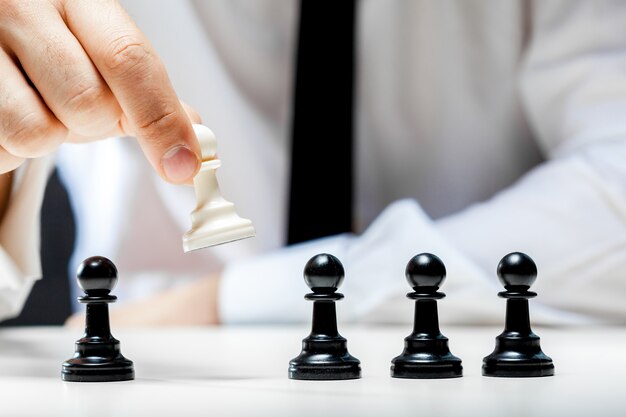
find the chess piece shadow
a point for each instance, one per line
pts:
(324, 354)
(518, 351)
(98, 357)
(426, 354)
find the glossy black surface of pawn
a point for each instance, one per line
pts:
(426, 353)
(518, 350)
(324, 354)
(97, 357)
(96, 276)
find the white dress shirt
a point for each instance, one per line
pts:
(483, 127)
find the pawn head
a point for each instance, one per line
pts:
(206, 139)
(425, 272)
(97, 276)
(517, 271)
(323, 273)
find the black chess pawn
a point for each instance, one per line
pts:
(324, 352)
(98, 357)
(518, 352)
(426, 354)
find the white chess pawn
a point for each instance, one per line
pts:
(214, 220)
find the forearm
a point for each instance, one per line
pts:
(191, 304)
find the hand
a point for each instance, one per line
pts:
(74, 70)
(192, 304)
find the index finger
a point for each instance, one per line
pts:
(139, 81)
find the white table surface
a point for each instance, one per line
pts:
(242, 371)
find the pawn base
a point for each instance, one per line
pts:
(410, 367)
(426, 356)
(324, 367)
(506, 367)
(218, 232)
(98, 370)
(518, 356)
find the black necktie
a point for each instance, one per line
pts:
(322, 131)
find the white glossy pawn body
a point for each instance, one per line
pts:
(214, 220)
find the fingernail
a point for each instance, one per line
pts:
(179, 164)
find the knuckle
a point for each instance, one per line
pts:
(126, 54)
(164, 120)
(29, 136)
(85, 97)
(89, 109)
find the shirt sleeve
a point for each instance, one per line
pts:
(20, 263)
(570, 212)
(569, 215)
